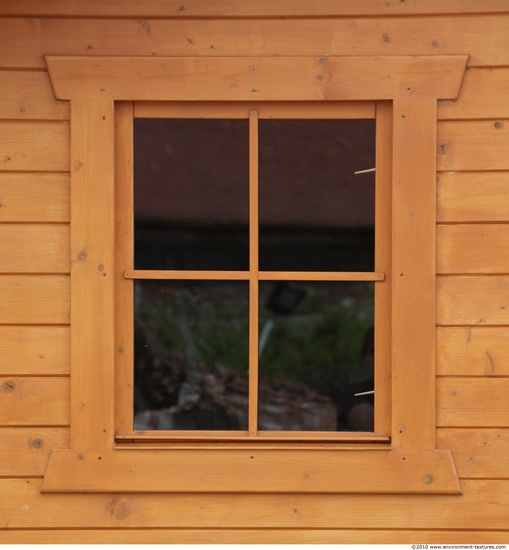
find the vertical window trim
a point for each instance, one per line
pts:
(411, 465)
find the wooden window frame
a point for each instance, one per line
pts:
(127, 274)
(94, 462)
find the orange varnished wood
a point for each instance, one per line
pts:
(92, 273)
(473, 248)
(483, 505)
(466, 402)
(34, 248)
(34, 299)
(483, 38)
(251, 536)
(472, 351)
(34, 197)
(474, 300)
(473, 145)
(477, 453)
(28, 96)
(246, 8)
(37, 401)
(34, 146)
(483, 95)
(473, 197)
(25, 451)
(124, 249)
(34, 350)
(266, 110)
(256, 471)
(413, 275)
(252, 78)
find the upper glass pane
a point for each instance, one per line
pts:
(191, 194)
(316, 214)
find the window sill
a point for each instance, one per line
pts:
(203, 470)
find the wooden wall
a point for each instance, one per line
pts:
(472, 264)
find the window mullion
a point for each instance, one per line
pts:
(253, 273)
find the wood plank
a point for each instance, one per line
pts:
(250, 536)
(473, 145)
(482, 95)
(473, 248)
(484, 505)
(413, 269)
(288, 78)
(34, 146)
(209, 470)
(474, 300)
(25, 451)
(267, 110)
(472, 351)
(92, 274)
(463, 402)
(34, 401)
(483, 37)
(245, 8)
(32, 299)
(477, 453)
(34, 350)
(473, 197)
(28, 96)
(34, 248)
(34, 198)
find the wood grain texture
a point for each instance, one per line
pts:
(480, 402)
(34, 248)
(251, 536)
(34, 350)
(484, 505)
(473, 145)
(34, 401)
(483, 37)
(482, 95)
(473, 197)
(474, 300)
(473, 248)
(413, 280)
(25, 451)
(477, 453)
(34, 146)
(472, 351)
(286, 78)
(34, 197)
(28, 96)
(32, 299)
(255, 471)
(245, 8)
(92, 273)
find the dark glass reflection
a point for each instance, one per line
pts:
(191, 355)
(191, 194)
(315, 213)
(316, 353)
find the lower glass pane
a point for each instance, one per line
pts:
(191, 355)
(316, 352)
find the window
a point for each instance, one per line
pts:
(255, 273)
(100, 90)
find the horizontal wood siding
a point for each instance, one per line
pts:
(472, 266)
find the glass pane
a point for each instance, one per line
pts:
(191, 355)
(315, 213)
(191, 194)
(316, 352)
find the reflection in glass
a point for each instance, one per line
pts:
(315, 213)
(191, 194)
(316, 352)
(191, 355)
